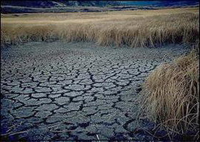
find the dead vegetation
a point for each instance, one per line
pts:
(171, 95)
(132, 28)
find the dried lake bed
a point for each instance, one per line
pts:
(76, 91)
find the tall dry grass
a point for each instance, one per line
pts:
(171, 95)
(134, 31)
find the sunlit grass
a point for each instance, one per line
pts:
(133, 28)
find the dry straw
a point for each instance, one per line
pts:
(171, 94)
(134, 32)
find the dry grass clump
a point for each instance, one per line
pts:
(152, 31)
(19, 34)
(134, 30)
(171, 95)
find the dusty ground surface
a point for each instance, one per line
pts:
(75, 91)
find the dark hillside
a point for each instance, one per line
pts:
(33, 6)
(58, 3)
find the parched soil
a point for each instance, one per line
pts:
(75, 91)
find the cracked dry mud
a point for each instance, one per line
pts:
(75, 91)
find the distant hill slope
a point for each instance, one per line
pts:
(61, 3)
(35, 6)
(57, 3)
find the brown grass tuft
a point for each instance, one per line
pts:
(171, 94)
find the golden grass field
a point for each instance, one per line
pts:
(137, 28)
